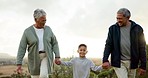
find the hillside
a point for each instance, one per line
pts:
(5, 56)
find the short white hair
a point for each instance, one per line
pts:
(125, 12)
(39, 13)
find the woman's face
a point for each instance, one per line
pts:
(41, 21)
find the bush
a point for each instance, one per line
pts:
(20, 75)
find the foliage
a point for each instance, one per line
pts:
(66, 72)
(20, 75)
(62, 71)
(146, 75)
(107, 73)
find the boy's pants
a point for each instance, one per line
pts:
(43, 67)
(125, 71)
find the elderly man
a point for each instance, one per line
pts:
(127, 46)
(41, 43)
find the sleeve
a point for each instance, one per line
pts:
(55, 46)
(67, 63)
(108, 46)
(94, 67)
(142, 50)
(22, 49)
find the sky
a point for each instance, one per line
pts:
(72, 21)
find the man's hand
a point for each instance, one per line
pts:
(57, 61)
(141, 71)
(19, 69)
(106, 65)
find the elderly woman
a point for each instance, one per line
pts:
(41, 44)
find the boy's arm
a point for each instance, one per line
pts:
(95, 68)
(67, 63)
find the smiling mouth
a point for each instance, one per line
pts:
(119, 23)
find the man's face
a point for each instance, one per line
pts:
(41, 21)
(82, 51)
(121, 20)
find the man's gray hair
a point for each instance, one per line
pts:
(39, 13)
(125, 12)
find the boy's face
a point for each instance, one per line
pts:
(82, 51)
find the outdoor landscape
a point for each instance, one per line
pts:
(8, 69)
(73, 22)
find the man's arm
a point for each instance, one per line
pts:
(22, 49)
(21, 52)
(108, 46)
(142, 50)
(55, 46)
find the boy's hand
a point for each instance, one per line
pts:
(106, 65)
(57, 61)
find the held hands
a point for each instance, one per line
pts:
(19, 69)
(141, 71)
(106, 65)
(57, 61)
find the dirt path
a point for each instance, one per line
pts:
(8, 70)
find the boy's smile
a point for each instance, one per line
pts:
(82, 51)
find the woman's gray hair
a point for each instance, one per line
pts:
(39, 13)
(125, 12)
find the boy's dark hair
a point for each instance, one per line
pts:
(82, 45)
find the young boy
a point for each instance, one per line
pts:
(81, 65)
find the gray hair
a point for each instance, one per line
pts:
(39, 13)
(125, 12)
